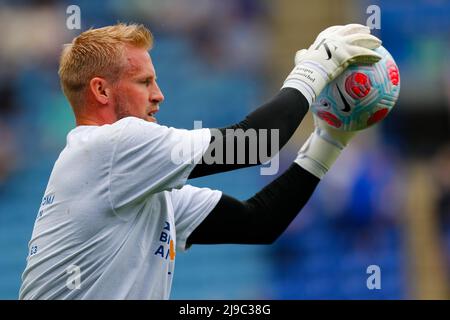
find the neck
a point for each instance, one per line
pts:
(98, 118)
(85, 122)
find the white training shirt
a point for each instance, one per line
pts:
(115, 212)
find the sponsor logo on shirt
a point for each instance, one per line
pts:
(166, 249)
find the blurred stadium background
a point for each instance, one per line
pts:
(385, 203)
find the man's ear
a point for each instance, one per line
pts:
(99, 88)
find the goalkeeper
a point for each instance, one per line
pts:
(117, 208)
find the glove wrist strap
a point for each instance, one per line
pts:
(317, 155)
(307, 77)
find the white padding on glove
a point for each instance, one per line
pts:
(317, 155)
(322, 148)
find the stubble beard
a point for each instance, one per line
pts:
(120, 109)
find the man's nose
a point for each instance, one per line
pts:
(157, 95)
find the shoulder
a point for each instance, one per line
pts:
(129, 129)
(135, 130)
(132, 127)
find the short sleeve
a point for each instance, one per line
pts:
(191, 206)
(150, 158)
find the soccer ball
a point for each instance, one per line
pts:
(361, 96)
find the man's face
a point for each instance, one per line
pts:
(136, 92)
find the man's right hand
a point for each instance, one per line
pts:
(334, 49)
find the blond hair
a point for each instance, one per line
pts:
(98, 52)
